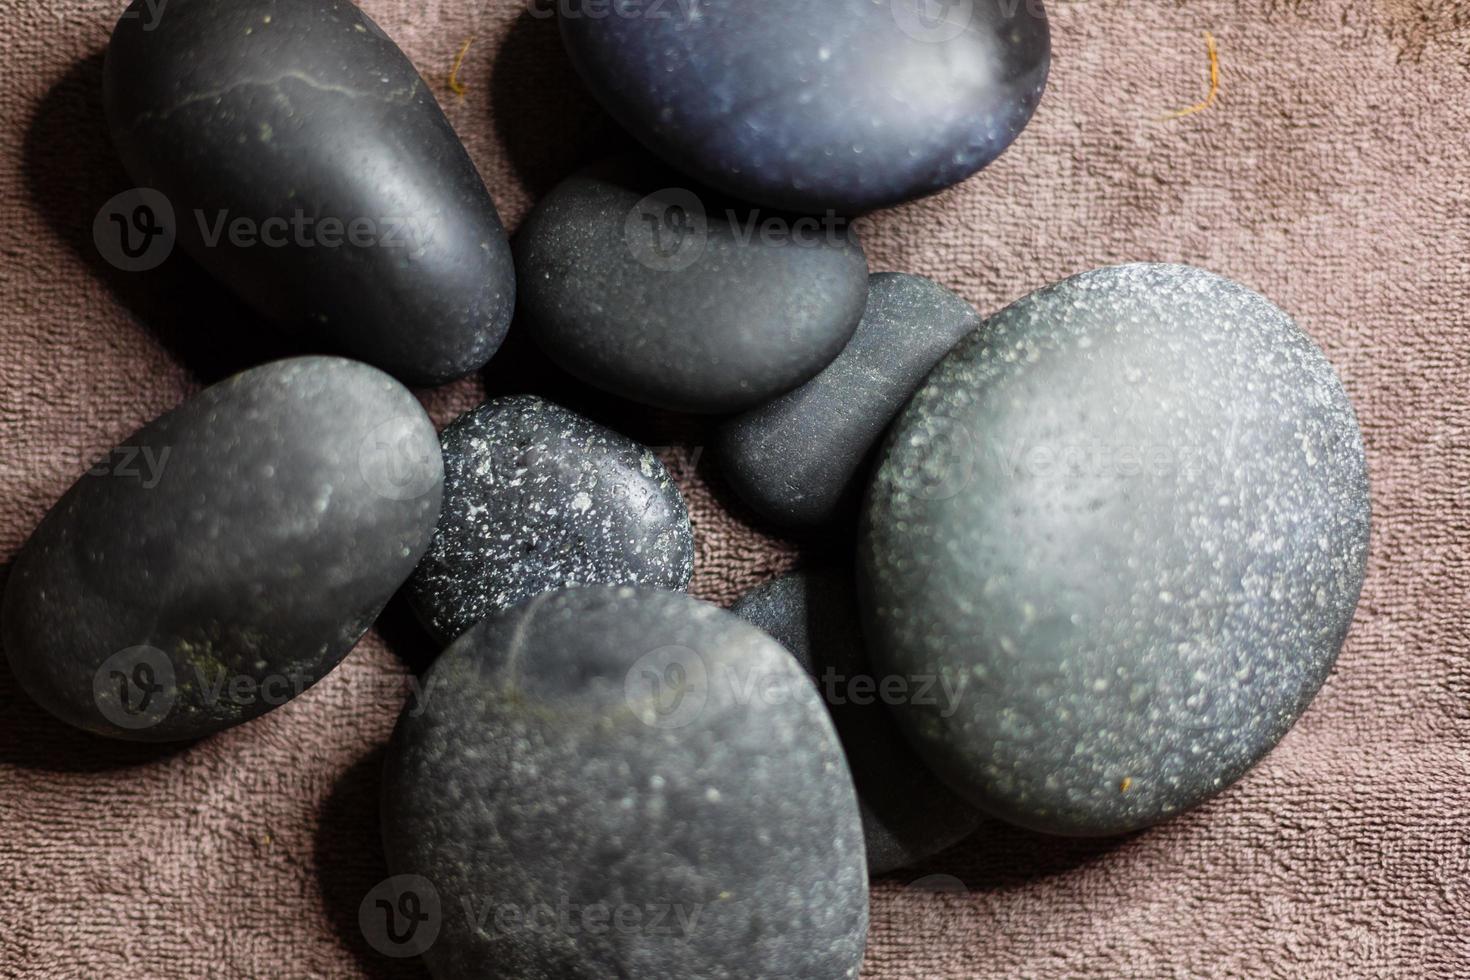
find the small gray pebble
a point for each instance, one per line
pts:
(621, 782)
(228, 554)
(641, 285)
(908, 814)
(1128, 519)
(538, 498)
(799, 460)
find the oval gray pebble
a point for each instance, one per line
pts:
(228, 554)
(799, 460)
(620, 782)
(1129, 516)
(537, 498)
(642, 287)
(908, 813)
(304, 163)
(846, 105)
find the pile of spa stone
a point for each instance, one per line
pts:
(1109, 540)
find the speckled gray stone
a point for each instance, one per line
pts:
(537, 498)
(636, 283)
(908, 813)
(308, 167)
(800, 459)
(846, 105)
(226, 555)
(626, 752)
(1129, 518)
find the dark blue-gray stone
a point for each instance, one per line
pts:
(309, 168)
(801, 458)
(228, 554)
(842, 105)
(1128, 519)
(644, 286)
(908, 814)
(629, 756)
(538, 498)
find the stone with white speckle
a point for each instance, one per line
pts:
(1129, 518)
(650, 783)
(537, 498)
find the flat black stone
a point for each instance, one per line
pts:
(364, 224)
(908, 813)
(846, 105)
(537, 498)
(800, 460)
(638, 283)
(627, 755)
(1129, 517)
(228, 554)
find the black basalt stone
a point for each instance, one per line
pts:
(631, 783)
(665, 295)
(799, 460)
(908, 813)
(846, 105)
(1128, 518)
(307, 166)
(228, 554)
(537, 498)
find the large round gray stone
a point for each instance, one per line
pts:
(908, 813)
(1128, 519)
(228, 554)
(800, 459)
(538, 498)
(620, 782)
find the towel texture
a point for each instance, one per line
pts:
(1332, 174)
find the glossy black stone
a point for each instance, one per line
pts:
(800, 460)
(1128, 519)
(639, 755)
(309, 168)
(537, 498)
(649, 289)
(228, 554)
(843, 105)
(908, 813)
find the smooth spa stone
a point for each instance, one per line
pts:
(304, 163)
(538, 498)
(840, 105)
(636, 283)
(908, 813)
(634, 783)
(801, 459)
(228, 554)
(1128, 519)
